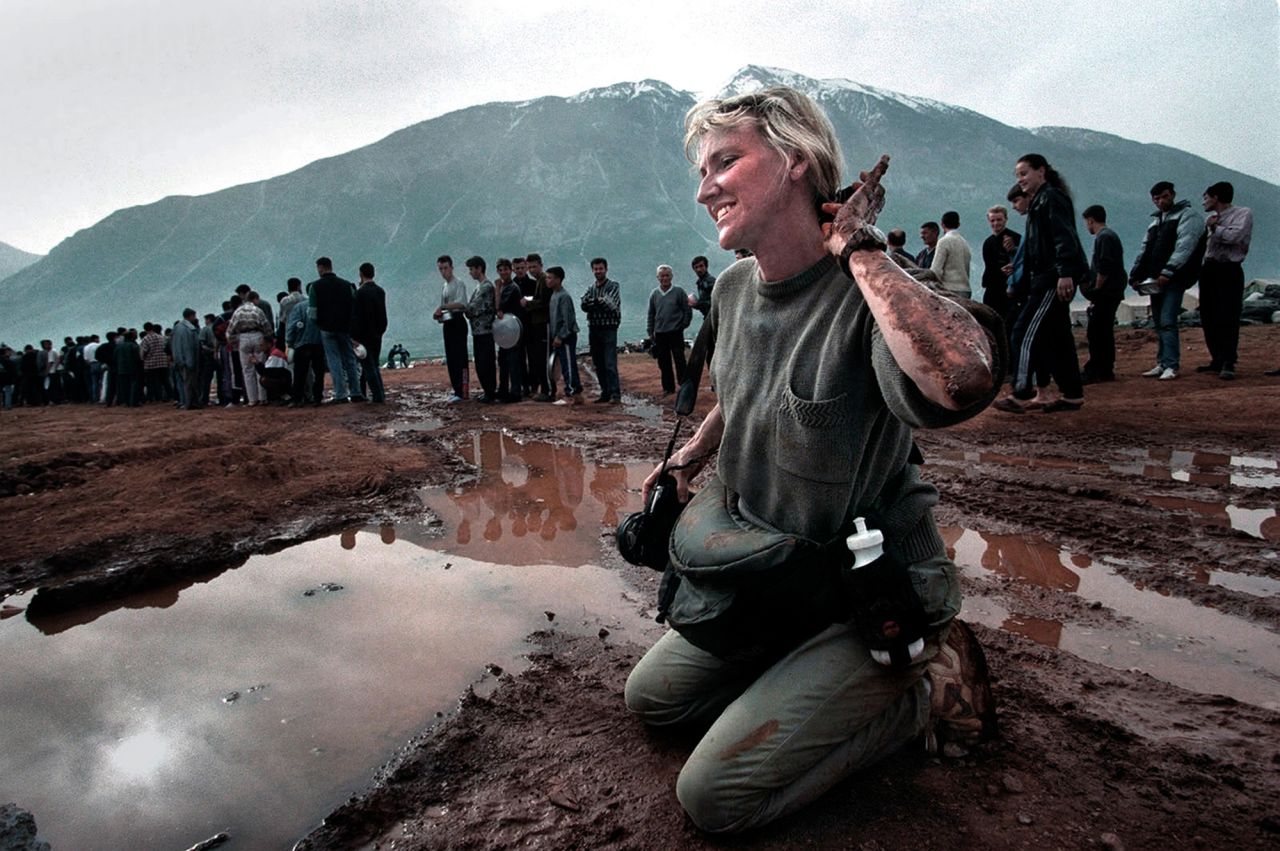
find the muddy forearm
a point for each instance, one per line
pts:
(934, 340)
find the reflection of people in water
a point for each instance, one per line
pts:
(609, 487)
(532, 492)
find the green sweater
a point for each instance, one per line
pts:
(818, 415)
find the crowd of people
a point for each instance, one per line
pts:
(1030, 282)
(248, 354)
(524, 329)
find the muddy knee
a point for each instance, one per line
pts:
(639, 693)
(714, 803)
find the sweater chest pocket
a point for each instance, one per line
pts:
(813, 439)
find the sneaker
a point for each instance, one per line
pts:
(1168, 374)
(1227, 374)
(1272, 372)
(1155, 372)
(1208, 367)
(600, 400)
(542, 397)
(616, 400)
(962, 708)
(453, 400)
(561, 402)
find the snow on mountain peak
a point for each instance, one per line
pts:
(626, 91)
(754, 77)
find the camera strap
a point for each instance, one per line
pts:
(687, 395)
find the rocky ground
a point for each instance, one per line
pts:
(98, 503)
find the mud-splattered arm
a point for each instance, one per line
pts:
(935, 341)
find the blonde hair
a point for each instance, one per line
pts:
(789, 121)
(998, 208)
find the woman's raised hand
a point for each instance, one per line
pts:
(853, 222)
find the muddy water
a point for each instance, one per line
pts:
(1191, 466)
(1170, 638)
(533, 502)
(255, 702)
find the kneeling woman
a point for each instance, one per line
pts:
(826, 356)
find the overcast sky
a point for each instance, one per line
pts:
(113, 103)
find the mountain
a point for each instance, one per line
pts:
(598, 173)
(13, 260)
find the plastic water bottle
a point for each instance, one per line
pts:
(867, 546)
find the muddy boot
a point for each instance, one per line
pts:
(962, 708)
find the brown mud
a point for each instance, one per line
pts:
(1173, 485)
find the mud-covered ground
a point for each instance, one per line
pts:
(98, 503)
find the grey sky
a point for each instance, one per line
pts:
(114, 103)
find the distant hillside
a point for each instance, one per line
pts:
(599, 173)
(13, 260)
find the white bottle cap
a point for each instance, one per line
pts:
(865, 544)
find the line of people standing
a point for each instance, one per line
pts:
(524, 328)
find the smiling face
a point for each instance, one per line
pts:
(744, 184)
(600, 271)
(997, 221)
(664, 279)
(1030, 179)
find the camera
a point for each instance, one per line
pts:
(643, 536)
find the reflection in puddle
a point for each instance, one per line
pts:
(1201, 468)
(1258, 586)
(403, 425)
(242, 704)
(1172, 639)
(530, 500)
(644, 409)
(1257, 522)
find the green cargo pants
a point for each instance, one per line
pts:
(782, 736)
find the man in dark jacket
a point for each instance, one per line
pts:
(1104, 287)
(186, 357)
(368, 326)
(995, 256)
(128, 357)
(538, 314)
(1171, 253)
(332, 302)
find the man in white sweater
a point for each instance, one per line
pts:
(951, 257)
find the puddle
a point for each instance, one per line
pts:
(1200, 468)
(1263, 523)
(1257, 586)
(256, 701)
(1204, 468)
(533, 503)
(1171, 638)
(412, 424)
(646, 410)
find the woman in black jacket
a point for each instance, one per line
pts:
(1053, 261)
